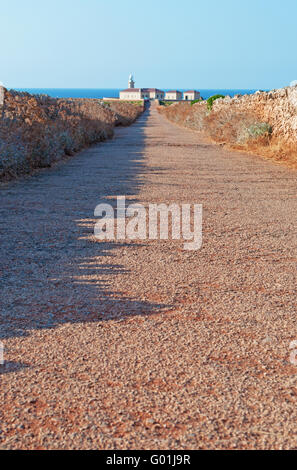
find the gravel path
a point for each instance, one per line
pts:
(142, 345)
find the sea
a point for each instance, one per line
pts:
(114, 92)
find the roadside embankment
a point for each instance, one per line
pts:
(37, 130)
(263, 123)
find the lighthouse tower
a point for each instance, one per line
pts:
(131, 82)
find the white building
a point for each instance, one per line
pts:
(152, 94)
(132, 93)
(173, 95)
(136, 94)
(191, 95)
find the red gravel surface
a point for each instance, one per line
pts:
(140, 344)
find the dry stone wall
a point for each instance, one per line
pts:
(277, 107)
(264, 123)
(37, 130)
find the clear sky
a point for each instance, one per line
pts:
(165, 43)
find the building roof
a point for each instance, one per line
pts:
(173, 91)
(144, 90)
(137, 90)
(152, 89)
(191, 91)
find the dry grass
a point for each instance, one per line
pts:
(236, 128)
(36, 131)
(275, 149)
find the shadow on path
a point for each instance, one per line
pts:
(50, 265)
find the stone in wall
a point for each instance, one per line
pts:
(277, 107)
(1, 95)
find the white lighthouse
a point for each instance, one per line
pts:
(131, 82)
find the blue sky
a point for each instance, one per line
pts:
(165, 43)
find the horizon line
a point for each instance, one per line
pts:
(120, 88)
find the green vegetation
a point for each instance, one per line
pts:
(196, 101)
(136, 102)
(258, 129)
(166, 103)
(211, 100)
(255, 130)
